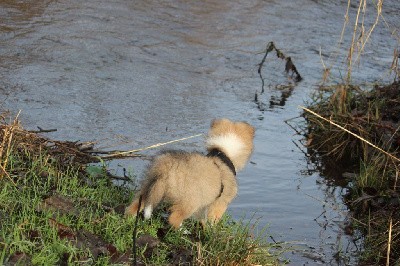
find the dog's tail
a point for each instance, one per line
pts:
(152, 192)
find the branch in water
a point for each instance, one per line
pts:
(289, 67)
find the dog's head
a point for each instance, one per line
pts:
(235, 139)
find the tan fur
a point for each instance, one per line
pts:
(192, 182)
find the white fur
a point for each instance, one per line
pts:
(148, 210)
(230, 144)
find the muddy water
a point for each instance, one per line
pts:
(135, 73)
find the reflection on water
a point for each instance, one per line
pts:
(112, 70)
(285, 92)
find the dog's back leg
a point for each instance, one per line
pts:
(180, 212)
(152, 193)
(132, 209)
(219, 206)
(153, 197)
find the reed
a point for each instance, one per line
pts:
(360, 36)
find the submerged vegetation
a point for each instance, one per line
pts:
(57, 209)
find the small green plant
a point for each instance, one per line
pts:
(234, 243)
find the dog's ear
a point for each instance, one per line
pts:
(250, 128)
(246, 127)
(217, 121)
(213, 122)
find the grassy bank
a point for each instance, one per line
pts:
(358, 131)
(56, 209)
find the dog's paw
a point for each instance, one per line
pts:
(215, 215)
(131, 210)
(148, 210)
(128, 212)
(215, 212)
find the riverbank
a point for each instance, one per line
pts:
(59, 208)
(356, 132)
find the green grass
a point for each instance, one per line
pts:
(88, 226)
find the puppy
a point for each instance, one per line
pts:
(195, 184)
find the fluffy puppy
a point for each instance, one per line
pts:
(195, 184)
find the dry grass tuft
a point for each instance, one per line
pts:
(366, 137)
(13, 136)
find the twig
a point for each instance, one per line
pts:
(8, 176)
(395, 132)
(41, 130)
(107, 152)
(295, 130)
(288, 67)
(351, 133)
(86, 146)
(273, 239)
(297, 145)
(317, 199)
(123, 178)
(84, 153)
(270, 47)
(118, 154)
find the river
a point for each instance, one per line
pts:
(130, 74)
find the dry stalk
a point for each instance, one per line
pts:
(123, 153)
(4, 172)
(363, 37)
(395, 63)
(199, 258)
(368, 35)
(360, 37)
(10, 135)
(346, 21)
(389, 243)
(327, 71)
(5, 148)
(351, 133)
(3, 143)
(353, 43)
(7, 138)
